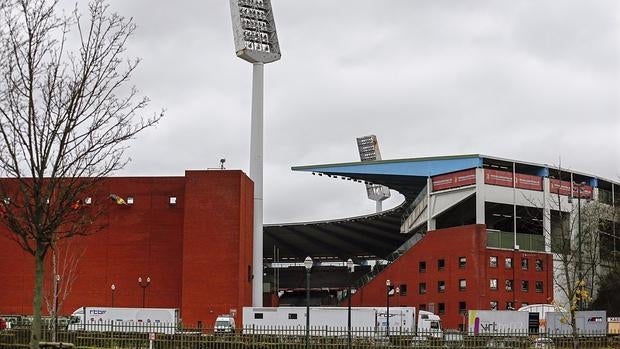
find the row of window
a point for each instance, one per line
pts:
(525, 285)
(493, 285)
(493, 263)
(538, 264)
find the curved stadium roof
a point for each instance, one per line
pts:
(366, 237)
(376, 235)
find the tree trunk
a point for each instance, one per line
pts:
(35, 331)
(573, 324)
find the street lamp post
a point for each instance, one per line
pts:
(351, 269)
(144, 284)
(579, 261)
(308, 266)
(113, 288)
(388, 283)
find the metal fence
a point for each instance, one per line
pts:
(323, 337)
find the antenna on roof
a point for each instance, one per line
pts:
(368, 148)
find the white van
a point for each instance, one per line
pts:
(224, 324)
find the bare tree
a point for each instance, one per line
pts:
(66, 116)
(65, 258)
(575, 236)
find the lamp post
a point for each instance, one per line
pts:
(579, 261)
(351, 269)
(113, 288)
(388, 283)
(256, 41)
(144, 285)
(308, 266)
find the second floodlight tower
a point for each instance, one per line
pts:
(256, 41)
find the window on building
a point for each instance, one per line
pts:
(403, 289)
(422, 287)
(510, 306)
(292, 316)
(441, 286)
(441, 308)
(493, 284)
(508, 263)
(508, 285)
(462, 307)
(462, 262)
(493, 261)
(539, 286)
(539, 265)
(524, 263)
(422, 267)
(462, 284)
(493, 305)
(172, 200)
(525, 285)
(441, 264)
(422, 306)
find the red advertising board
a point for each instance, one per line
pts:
(496, 177)
(530, 182)
(454, 180)
(557, 186)
(582, 190)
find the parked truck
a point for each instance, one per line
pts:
(535, 320)
(107, 319)
(333, 321)
(588, 323)
(498, 322)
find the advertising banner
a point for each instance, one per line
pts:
(454, 180)
(497, 177)
(557, 186)
(583, 191)
(530, 182)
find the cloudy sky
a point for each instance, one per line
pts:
(535, 80)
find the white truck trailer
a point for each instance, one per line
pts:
(108, 319)
(333, 321)
(537, 319)
(588, 323)
(498, 322)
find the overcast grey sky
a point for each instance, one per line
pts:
(537, 81)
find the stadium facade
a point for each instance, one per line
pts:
(473, 232)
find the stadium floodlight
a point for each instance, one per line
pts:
(256, 41)
(368, 148)
(254, 31)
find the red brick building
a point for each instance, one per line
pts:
(451, 270)
(191, 235)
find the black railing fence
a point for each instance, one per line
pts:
(295, 337)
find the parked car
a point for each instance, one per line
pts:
(543, 343)
(453, 339)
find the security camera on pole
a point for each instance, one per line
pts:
(256, 41)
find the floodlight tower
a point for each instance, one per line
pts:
(256, 41)
(369, 151)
